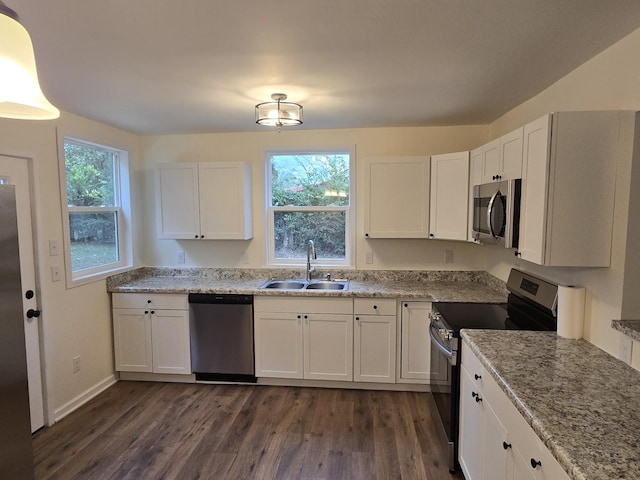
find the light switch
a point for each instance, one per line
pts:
(55, 273)
(53, 248)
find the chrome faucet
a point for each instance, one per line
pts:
(311, 251)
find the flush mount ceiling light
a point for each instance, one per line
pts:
(279, 113)
(20, 93)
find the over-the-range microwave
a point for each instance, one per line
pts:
(496, 213)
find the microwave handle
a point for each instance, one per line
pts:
(490, 211)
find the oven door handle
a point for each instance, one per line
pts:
(435, 340)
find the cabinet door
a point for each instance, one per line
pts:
(490, 161)
(511, 155)
(449, 196)
(278, 343)
(397, 197)
(225, 200)
(132, 340)
(475, 178)
(328, 347)
(177, 201)
(415, 342)
(374, 349)
(496, 446)
(170, 341)
(471, 436)
(533, 206)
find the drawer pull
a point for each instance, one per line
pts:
(506, 445)
(477, 377)
(535, 463)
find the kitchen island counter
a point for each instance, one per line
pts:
(449, 286)
(580, 401)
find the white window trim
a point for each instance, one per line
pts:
(350, 225)
(123, 209)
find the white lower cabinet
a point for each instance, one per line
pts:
(310, 338)
(151, 333)
(374, 336)
(415, 346)
(495, 441)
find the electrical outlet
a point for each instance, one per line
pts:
(448, 256)
(368, 258)
(180, 258)
(626, 346)
(76, 364)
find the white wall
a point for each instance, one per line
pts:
(249, 147)
(609, 81)
(74, 321)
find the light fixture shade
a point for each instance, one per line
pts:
(20, 93)
(279, 113)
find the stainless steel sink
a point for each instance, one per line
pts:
(291, 284)
(284, 284)
(327, 285)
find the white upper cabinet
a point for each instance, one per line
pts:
(396, 197)
(475, 178)
(568, 188)
(502, 158)
(449, 213)
(204, 201)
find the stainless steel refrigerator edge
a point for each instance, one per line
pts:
(16, 451)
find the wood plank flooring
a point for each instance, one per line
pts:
(146, 430)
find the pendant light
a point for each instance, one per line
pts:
(279, 113)
(20, 93)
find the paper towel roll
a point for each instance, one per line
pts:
(570, 311)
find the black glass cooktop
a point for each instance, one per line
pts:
(516, 315)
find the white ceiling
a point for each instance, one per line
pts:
(160, 66)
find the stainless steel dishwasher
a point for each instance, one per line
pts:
(221, 328)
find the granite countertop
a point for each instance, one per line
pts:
(448, 286)
(631, 328)
(582, 402)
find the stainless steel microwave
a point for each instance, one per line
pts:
(496, 213)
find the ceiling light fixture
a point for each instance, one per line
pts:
(279, 113)
(20, 93)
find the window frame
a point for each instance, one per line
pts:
(350, 227)
(122, 209)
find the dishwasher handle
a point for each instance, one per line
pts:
(221, 299)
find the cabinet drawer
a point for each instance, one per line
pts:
(150, 300)
(374, 306)
(472, 364)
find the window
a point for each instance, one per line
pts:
(309, 197)
(98, 240)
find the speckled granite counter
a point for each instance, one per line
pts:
(443, 286)
(631, 328)
(582, 402)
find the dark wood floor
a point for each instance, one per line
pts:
(144, 430)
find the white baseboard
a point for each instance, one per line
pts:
(83, 398)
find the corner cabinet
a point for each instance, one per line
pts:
(397, 197)
(210, 201)
(496, 443)
(568, 188)
(151, 333)
(449, 211)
